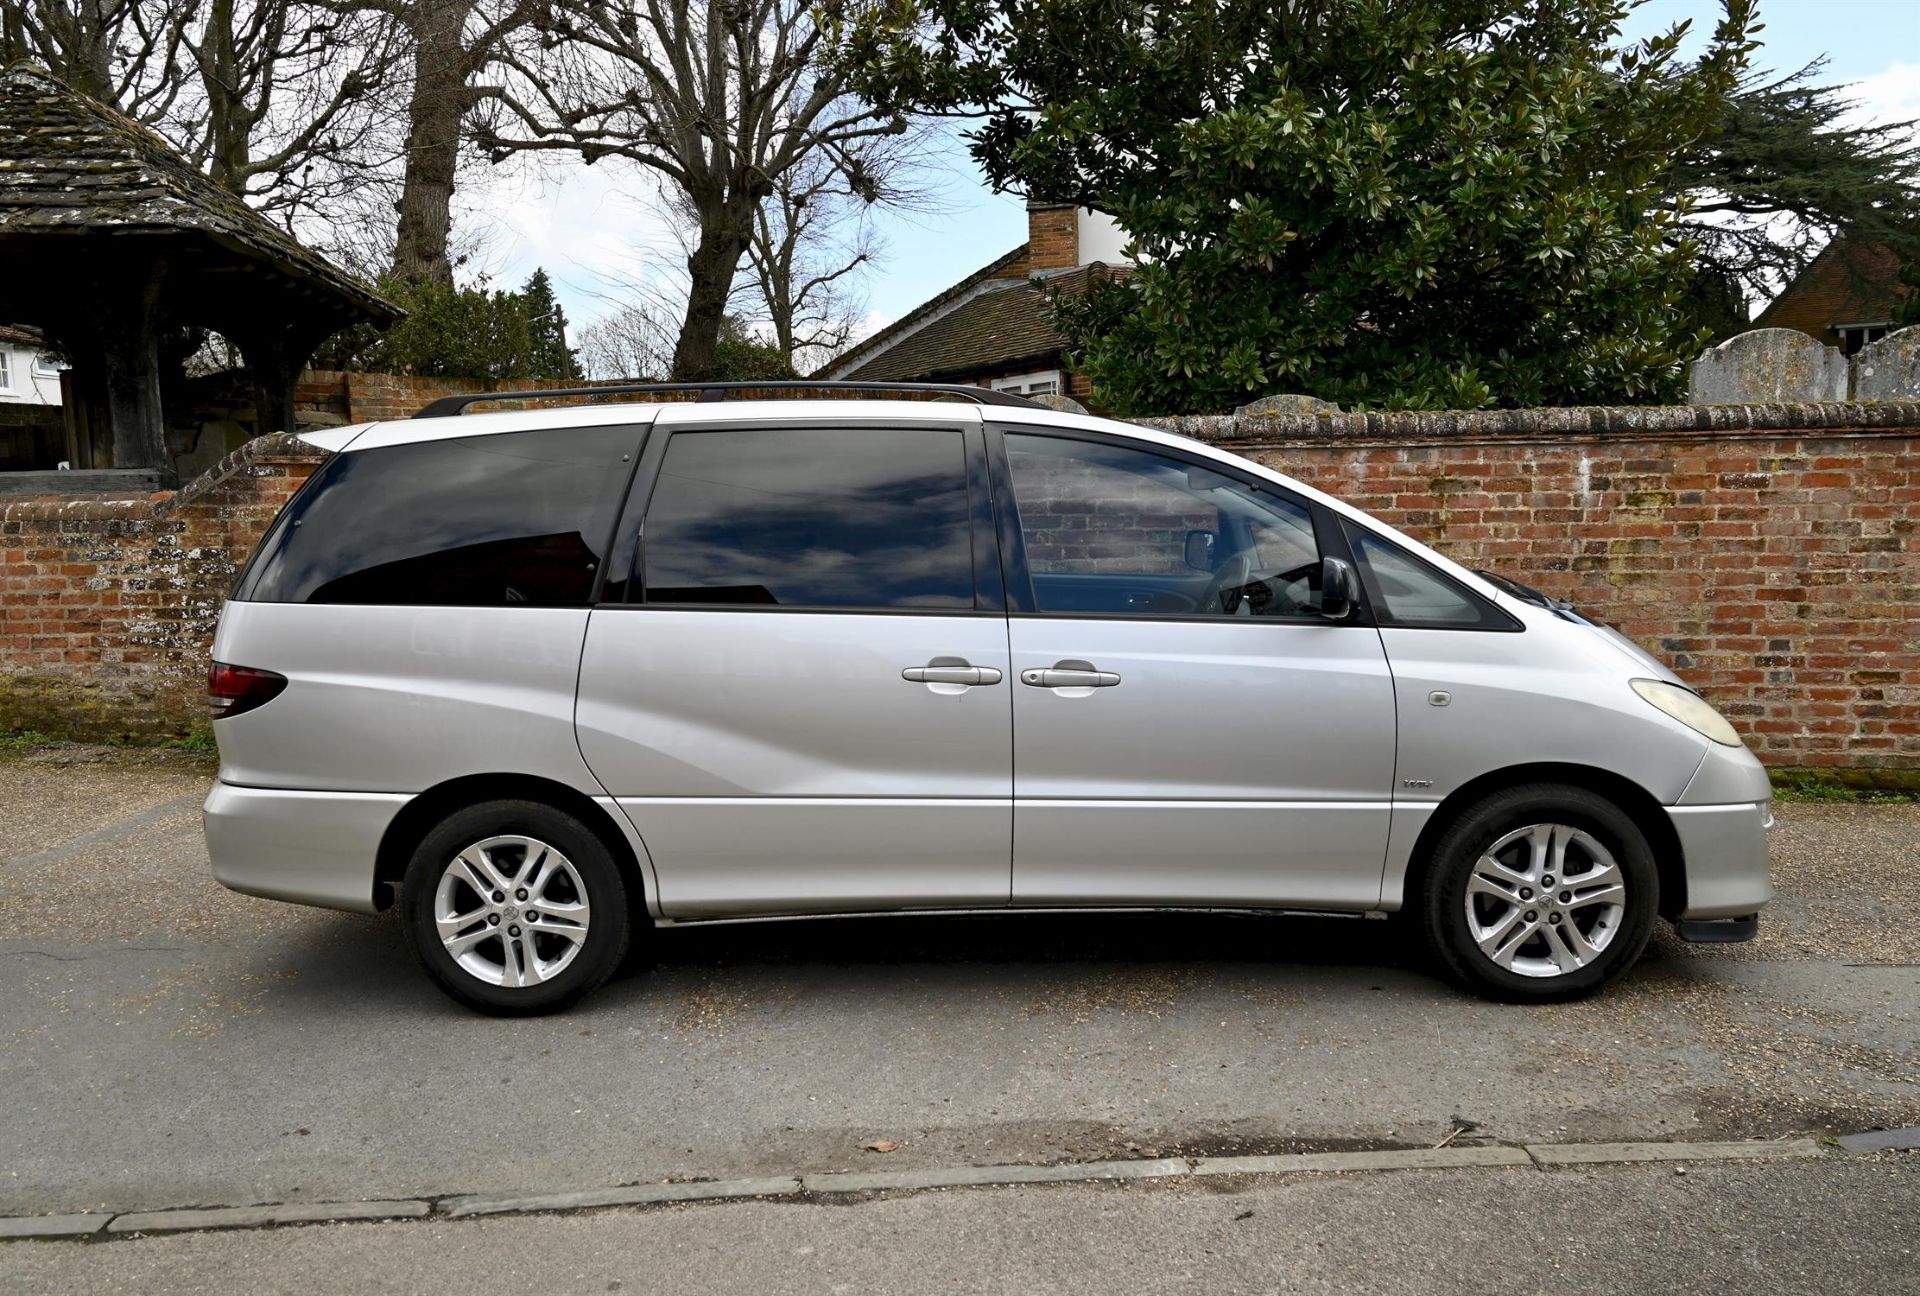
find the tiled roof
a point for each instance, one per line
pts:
(1848, 283)
(1002, 323)
(69, 164)
(14, 335)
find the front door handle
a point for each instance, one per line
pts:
(1069, 676)
(945, 674)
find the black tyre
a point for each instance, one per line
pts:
(1540, 893)
(515, 908)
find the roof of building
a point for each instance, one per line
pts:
(1849, 283)
(983, 322)
(15, 335)
(70, 165)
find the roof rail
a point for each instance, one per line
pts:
(447, 406)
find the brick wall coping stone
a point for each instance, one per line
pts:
(1611, 422)
(277, 448)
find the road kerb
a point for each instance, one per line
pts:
(51, 1226)
(976, 1176)
(1392, 1159)
(1572, 1154)
(631, 1195)
(231, 1217)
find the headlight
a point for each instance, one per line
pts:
(1689, 709)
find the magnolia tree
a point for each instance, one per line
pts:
(1396, 203)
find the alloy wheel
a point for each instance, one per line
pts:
(1545, 900)
(511, 911)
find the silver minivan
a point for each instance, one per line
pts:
(548, 679)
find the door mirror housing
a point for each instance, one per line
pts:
(1200, 549)
(1337, 588)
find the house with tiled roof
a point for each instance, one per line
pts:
(1847, 296)
(992, 329)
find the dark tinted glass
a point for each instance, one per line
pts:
(485, 521)
(811, 517)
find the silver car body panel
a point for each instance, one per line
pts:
(400, 699)
(312, 848)
(1235, 763)
(774, 763)
(779, 762)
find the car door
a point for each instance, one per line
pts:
(800, 696)
(1188, 729)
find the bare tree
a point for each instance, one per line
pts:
(277, 101)
(635, 342)
(121, 52)
(809, 237)
(452, 43)
(721, 100)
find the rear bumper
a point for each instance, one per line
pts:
(1725, 847)
(313, 848)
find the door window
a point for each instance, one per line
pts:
(517, 518)
(838, 518)
(1112, 529)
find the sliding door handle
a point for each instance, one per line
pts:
(950, 675)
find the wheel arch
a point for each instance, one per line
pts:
(1638, 804)
(418, 816)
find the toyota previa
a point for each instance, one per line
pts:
(549, 679)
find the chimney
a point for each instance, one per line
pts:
(1053, 236)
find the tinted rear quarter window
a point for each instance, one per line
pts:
(837, 518)
(518, 518)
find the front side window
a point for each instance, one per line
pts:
(518, 518)
(834, 518)
(6, 369)
(1406, 591)
(1114, 530)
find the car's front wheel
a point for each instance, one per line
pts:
(1541, 892)
(515, 907)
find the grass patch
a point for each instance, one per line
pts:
(1859, 786)
(15, 742)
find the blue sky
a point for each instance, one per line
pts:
(596, 233)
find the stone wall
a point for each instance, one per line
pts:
(1768, 552)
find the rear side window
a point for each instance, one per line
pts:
(520, 518)
(811, 517)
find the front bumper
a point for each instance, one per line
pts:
(1725, 847)
(312, 848)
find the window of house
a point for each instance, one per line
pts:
(1111, 529)
(1042, 382)
(811, 517)
(45, 366)
(519, 518)
(6, 369)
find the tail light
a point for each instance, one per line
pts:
(232, 690)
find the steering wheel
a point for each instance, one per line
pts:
(1233, 586)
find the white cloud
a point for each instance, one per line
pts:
(1892, 95)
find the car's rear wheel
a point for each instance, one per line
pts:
(1540, 893)
(515, 907)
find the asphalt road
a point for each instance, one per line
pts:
(1837, 1226)
(168, 1043)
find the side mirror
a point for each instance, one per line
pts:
(1336, 588)
(1200, 546)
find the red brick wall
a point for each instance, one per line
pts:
(107, 607)
(1769, 552)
